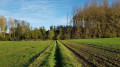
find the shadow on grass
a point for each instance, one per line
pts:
(58, 57)
(33, 58)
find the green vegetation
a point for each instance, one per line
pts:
(35, 54)
(104, 42)
(68, 59)
(64, 53)
(58, 56)
(50, 61)
(20, 53)
(40, 60)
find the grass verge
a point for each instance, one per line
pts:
(40, 59)
(50, 59)
(67, 57)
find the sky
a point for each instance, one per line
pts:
(39, 12)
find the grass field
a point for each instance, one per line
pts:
(56, 56)
(20, 53)
(42, 58)
(104, 42)
(36, 54)
(64, 53)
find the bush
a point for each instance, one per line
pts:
(3, 38)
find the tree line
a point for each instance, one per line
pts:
(12, 29)
(97, 19)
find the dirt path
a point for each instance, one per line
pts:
(80, 58)
(117, 51)
(92, 56)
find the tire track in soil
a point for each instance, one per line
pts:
(34, 57)
(100, 59)
(81, 59)
(58, 56)
(107, 60)
(117, 51)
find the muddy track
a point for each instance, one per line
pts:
(94, 56)
(80, 58)
(117, 51)
(100, 59)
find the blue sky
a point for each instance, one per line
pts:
(38, 12)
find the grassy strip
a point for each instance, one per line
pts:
(104, 42)
(42, 57)
(67, 57)
(50, 60)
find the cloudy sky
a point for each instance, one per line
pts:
(39, 12)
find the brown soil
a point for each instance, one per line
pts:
(94, 56)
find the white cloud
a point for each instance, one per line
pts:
(40, 12)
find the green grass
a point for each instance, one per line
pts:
(40, 60)
(104, 42)
(57, 55)
(18, 53)
(30, 53)
(50, 60)
(67, 58)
